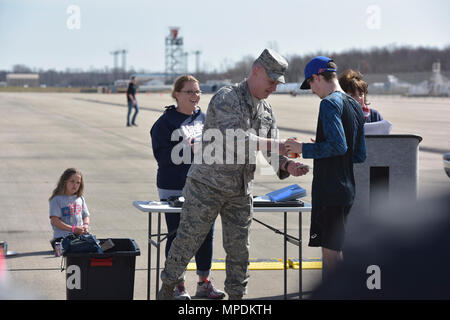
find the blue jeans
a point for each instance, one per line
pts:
(203, 257)
(131, 106)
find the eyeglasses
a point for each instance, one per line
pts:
(191, 92)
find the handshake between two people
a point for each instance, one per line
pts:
(292, 149)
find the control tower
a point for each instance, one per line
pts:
(175, 56)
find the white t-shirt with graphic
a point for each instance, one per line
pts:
(70, 209)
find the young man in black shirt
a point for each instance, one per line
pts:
(132, 102)
(339, 143)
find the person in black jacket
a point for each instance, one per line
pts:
(185, 120)
(132, 102)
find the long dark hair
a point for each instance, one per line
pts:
(61, 186)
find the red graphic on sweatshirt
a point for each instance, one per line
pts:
(75, 208)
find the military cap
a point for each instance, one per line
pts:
(274, 64)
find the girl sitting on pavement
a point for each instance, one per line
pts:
(68, 209)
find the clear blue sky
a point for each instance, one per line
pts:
(35, 32)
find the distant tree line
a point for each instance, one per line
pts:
(389, 59)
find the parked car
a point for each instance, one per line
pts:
(447, 163)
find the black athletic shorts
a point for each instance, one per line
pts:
(328, 226)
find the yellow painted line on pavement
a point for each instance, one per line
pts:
(307, 263)
(266, 264)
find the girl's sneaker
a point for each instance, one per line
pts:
(207, 290)
(181, 293)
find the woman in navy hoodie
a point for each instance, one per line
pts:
(186, 119)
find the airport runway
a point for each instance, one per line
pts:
(42, 134)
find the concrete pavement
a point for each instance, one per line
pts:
(43, 134)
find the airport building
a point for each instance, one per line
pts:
(22, 80)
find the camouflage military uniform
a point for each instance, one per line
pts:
(224, 189)
(232, 107)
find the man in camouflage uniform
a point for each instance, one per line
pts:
(225, 188)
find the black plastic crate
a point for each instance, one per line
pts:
(108, 275)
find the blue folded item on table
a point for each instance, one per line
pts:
(291, 192)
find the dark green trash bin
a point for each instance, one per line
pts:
(108, 275)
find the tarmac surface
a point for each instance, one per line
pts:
(42, 134)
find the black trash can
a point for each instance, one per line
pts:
(108, 275)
